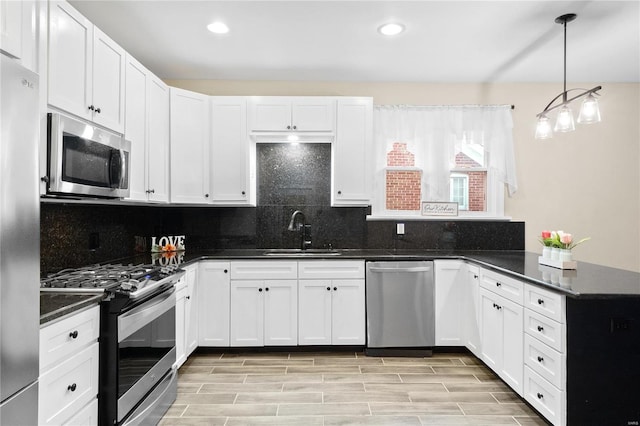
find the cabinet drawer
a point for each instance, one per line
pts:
(64, 338)
(547, 362)
(331, 269)
(504, 286)
(545, 329)
(545, 302)
(68, 387)
(544, 397)
(264, 270)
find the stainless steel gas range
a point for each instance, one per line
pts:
(137, 337)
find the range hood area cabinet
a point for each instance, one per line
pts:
(86, 69)
(291, 114)
(213, 151)
(147, 128)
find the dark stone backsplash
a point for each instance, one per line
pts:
(289, 178)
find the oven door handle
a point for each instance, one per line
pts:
(140, 316)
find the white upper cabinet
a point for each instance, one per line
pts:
(231, 180)
(147, 127)
(189, 147)
(86, 69)
(351, 153)
(297, 113)
(18, 31)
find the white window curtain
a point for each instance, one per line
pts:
(432, 132)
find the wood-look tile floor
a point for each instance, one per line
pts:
(342, 388)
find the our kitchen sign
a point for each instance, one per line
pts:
(435, 208)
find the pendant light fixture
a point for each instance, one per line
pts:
(589, 111)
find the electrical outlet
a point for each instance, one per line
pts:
(620, 324)
(400, 228)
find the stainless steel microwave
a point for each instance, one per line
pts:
(84, 159)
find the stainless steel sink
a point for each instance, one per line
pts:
(302, 253)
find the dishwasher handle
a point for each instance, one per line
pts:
(414, 269)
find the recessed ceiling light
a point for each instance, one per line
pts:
(218, 28)
(391, 29)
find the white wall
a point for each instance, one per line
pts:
(586, 182)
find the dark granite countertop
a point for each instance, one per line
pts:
(56, 305)
(587, 281)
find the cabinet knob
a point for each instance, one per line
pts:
(475, 277)
(288, 127)
(540, 359)
(498, 284)
(328, 288)
(540, 328)
(243, 193)
(339, 192)
(226, 271)
(295, 127)
(98, 110)
(540, 396)
(540, 302)
(266, 289)
(260, 289)
(206, 195)
(72, 387)
(187, 297)
(45, 179)
(73, 334)
(91, 108)
(335, 289)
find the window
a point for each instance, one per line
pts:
(454, 154)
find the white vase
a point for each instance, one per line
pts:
(565, 255)
(555, 253)
(546, 252)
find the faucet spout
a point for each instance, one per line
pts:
(292, 226)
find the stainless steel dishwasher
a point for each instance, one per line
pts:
(400, 308)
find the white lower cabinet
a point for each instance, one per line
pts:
(450, 302)
(68, 382)
(331, 303)
(472, 311)
(502, 337)
(214, 298)
(264, 313)
(186, 315)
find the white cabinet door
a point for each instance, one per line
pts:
(181, 353)
(213, 303)
(70, 60)
(502, 338)
(11, 28)
(189, 147)
(491, 330)
(108, 82)
(280, 313)
(348, 312)
(314, 306)
(313, 114)
(472, 314)
(191, 310)
(351, 153)
(135, 129)
(288, 114)
(247, 313)
(230, 179)
(450, 298)
(158, 140)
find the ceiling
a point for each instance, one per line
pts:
(444, 41)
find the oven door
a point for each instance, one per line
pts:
(86, 160)
(146, 348)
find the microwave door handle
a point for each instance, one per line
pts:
(123, 169)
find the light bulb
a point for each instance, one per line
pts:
(564, 121)
(218, 27)
(391, 29)
(589, 111)
(543, 129)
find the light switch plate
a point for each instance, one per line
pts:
(400, 228)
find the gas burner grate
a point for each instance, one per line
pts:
(97, 276)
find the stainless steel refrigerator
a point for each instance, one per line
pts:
(19, 244)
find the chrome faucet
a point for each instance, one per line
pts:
(304, 229)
